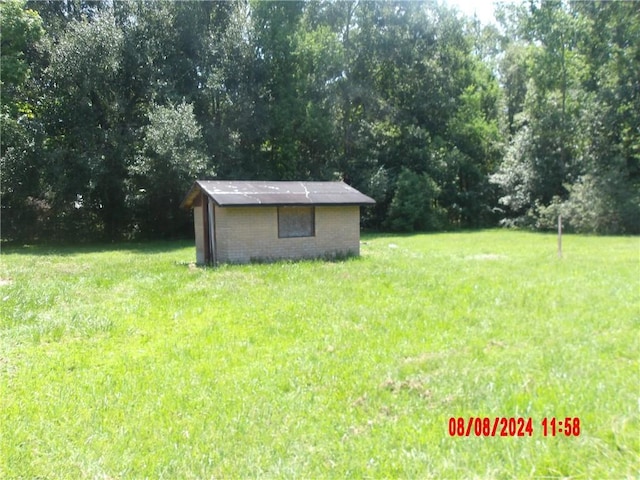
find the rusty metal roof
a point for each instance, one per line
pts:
(245, 193)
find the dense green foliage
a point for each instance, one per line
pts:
(127, 362)
(573, 95)
(111, 108)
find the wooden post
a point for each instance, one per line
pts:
(213, 260)
(559, 236)
(205, 228)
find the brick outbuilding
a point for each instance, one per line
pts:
(243, 221)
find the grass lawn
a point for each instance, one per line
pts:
(127, 362)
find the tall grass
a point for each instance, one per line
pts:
(132, 363)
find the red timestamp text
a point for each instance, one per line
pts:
(490, 427)
(568, 426)
(512, 427)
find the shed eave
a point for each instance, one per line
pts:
(273, 194)
(291, 204)
(191, 196)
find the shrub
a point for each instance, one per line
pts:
(414, 205)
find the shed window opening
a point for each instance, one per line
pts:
(296, 222)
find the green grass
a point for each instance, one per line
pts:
(128, 362)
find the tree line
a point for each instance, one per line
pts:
(110, 109)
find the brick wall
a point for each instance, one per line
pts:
(251, 233)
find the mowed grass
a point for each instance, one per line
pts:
(128, 362)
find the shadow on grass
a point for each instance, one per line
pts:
(68, 249)
(322, 259)
(165, 246)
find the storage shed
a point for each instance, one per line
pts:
(242, 221)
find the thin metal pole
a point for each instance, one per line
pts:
(559, 236)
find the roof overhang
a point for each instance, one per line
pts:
(255, 193)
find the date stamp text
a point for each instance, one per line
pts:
(513, 427)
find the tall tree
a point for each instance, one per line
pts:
(275, 25)
(171, 156)
(566, 150)
(85, 144)
(21, 29)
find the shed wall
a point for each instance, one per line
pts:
(244, 234)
